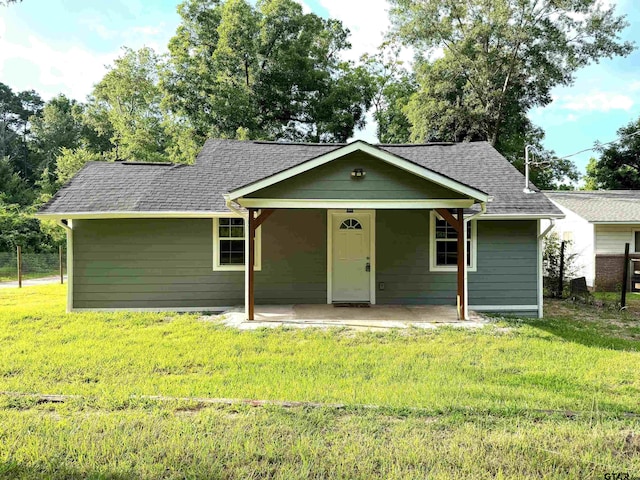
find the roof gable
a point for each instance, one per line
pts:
(361, 146)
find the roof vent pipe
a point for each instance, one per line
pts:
(526, 169)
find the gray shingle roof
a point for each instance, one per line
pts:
(226, 165)
(601, 205)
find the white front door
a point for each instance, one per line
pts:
(351, 256)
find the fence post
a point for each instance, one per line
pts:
(19, 259)
(625, 273)
(60, 263)
(561, 276)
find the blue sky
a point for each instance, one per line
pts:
(63, 46)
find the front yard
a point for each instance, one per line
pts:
(519, 399)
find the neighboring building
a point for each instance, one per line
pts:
(333, 223)
(599, 223)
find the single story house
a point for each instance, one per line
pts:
(598, 224)
(286, 223)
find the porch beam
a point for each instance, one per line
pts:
(253, 224)
(451, 220)
(264, 214)
(462, 263)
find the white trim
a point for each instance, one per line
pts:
(504, 308)
(372, 252)
(70, 266)
(235, 268)
(359, 204)
(473, 267)
(633, 240)
(150, 214)
(152, 309)
(626, 222)
(359, 145)
(540, 274)
(519, 216)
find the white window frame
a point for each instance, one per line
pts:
(433, 267)
(634, 232)
(216, 249)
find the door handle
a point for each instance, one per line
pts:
(367, 267)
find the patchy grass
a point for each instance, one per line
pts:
(453, 402)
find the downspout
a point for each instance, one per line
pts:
(552, 223)
(483, 210)
(68, 226)
(230, 205)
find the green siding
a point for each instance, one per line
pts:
(507, 262)
(382, 181)
(159, 263)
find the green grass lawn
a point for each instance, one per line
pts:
(553, 398)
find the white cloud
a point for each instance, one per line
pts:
(596, 101)
(368, 21)
(36, 64)
(572, 118)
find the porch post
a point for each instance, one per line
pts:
(250, 261)
(462, 264)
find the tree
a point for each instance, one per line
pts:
(128, 97)
(269, 69)
(394, 86)
(14, 190)
(618, 167)
(16, 110)
(499, 60)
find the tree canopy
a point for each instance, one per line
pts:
(482, 66)
(618, 167)
(268, 69)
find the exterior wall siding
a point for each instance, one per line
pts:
(167, 263)
(506, 263)
(610, 239)
(582, 245)
(333, 180)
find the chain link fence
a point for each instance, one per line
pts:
(34, 265)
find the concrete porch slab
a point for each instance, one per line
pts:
(366, 318)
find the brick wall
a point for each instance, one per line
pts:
(609, 269)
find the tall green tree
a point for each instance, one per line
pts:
(16, 110)
(268, 69)
(128, 97)
(618, 167)
(497, 61)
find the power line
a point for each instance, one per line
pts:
(600, 145)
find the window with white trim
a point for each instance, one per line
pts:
(229, 244)
(444, 245)
(636, 241)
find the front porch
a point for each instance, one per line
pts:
(368, 318)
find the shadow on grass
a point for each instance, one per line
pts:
(15, 470)
(591, 333)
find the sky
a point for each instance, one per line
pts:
(65, 46)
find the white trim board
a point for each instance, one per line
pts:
(361, 146)
(372, 253)
(107, 215)
(360, 204)
(473, 267)
(236, 268)
(504, 308)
